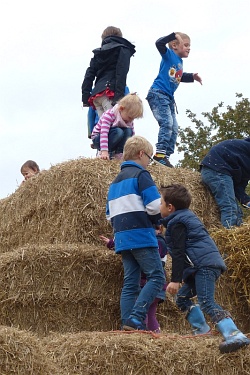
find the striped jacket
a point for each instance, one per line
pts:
(133, 206)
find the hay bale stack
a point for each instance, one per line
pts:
(203, 203)
(21, 353)
(64, 288)
(66, 204)
(142, 354)
(234, 290)
(67, 288)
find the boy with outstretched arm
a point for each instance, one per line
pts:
(161, 94)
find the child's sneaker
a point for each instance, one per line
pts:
(133, 324)
(163, 161)
(246, 205)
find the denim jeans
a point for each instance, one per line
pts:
(222, 188)
(135, 301)
(202, 285)
(116, 139)
(163, 108)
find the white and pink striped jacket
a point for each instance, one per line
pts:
(110, 118)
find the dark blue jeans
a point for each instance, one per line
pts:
(222, 188)
(163, 108)
(202, 285)
(116, 139)
(135, 301)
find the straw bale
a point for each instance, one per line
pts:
(203, 203)
(234, 289)
(67, 288)
(21, 353)
(143, 354)
(66, 204)
(61, 288)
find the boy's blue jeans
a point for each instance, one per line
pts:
(135, 301)
(222, 188)
(202, 285)
(116, 139)
(163, 108)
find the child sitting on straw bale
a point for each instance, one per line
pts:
(29, 169)
(115, 126)
(133, 208)
(197, 263)
(151, 321)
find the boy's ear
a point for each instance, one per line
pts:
(171, 208)
(174, 44)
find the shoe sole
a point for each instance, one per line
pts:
(162, 165)
(128, 328)
(232, 347)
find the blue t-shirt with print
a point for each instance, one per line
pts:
(170, 73)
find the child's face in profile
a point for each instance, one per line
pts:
(28, 172)
(166, 208)
(183, 50)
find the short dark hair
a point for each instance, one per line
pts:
(30, 164)
(177, 195)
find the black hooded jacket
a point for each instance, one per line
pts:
(109, 68)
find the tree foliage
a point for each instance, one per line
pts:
(231, 123)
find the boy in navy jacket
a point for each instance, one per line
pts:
(197, 263)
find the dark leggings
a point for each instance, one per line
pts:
(151, 321)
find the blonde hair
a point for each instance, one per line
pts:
(111, 30)
(182, 35)
(133, 105)
(134, 145)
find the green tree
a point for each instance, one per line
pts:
(232, 123)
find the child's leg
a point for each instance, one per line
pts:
(185, 294)
(131, 285)
(102, 104)
(174, 134)
(205, 279)
(222, 188)
(160, 106)
(152, 322)
(194, 314)
(114, 138)
(127, 133)
(205, 285)
(150, 263)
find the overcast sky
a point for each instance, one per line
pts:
(45, 49)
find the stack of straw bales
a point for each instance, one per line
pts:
(60, 287)
(66, 204)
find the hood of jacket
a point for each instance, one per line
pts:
(111, 42)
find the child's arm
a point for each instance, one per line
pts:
(197, 78)
(106, 122)
(161, 43)
(88, 83)
(150, 196)
(109, 242)
(191, 77)
(178, 236)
